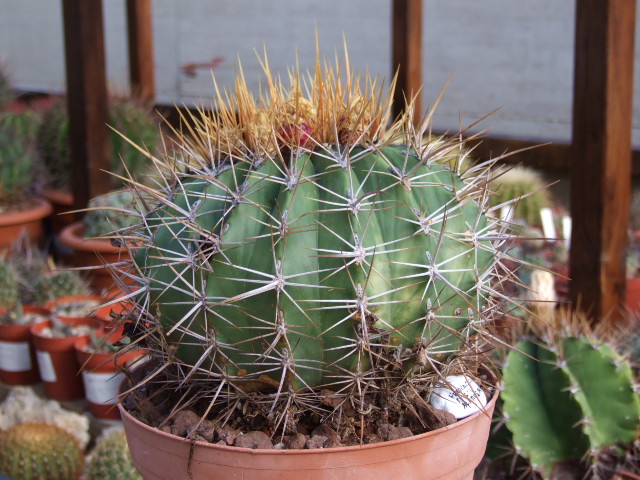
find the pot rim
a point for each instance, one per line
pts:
(40, 209)
(72, 236)
(316, 451)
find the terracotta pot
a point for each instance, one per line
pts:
(101, 375)
(29, 221)
(53, 305)
(445, 454)
(103, 314)
(632, 295)
(62, 203)
(18, 365)
(59, 367)
(93, 253)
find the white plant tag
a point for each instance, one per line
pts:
(566, 231)
(548, 227)
(461, 396)
(15, 357)
(506, 213)
(101, 388)
(47, 372)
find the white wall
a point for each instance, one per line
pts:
(512, 55)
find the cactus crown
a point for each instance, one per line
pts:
(40, 451)
(299, 241)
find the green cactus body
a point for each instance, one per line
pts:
(289, 268)
(17, 155)
(58, 284)
(39, 451)
(568, 402)
(111, 459)
(9, 286)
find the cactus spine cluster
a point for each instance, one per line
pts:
(39, 451)
(568, 399)
(110, 459)
(301, 242)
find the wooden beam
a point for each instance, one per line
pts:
(407, 54)
(87, 98)
(141, 63)
(601, 154)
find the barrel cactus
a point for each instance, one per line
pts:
(108, 213)
(55, 284)
(300, 242)
(527, 186)
(110, 459)
(39, 451)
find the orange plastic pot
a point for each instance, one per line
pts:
(57, 362)
(93, 254)
(102, 375)
(450, 453)
(18, 365)
(27, 221)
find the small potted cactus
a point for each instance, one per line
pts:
(21, 211)
(92, 240)
(110, 458)
(311, 278)
(126, 116)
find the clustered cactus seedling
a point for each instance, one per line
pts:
(110, 459)
(568, 398)
(39, 451)
(59, 283)
(301, 243)
(125, 116)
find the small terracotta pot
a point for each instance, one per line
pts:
(93, 253)
(632, 295)
(18, 365)
(450, 453)
(101, 375)
(103, 314)
(62, 203)
(14, 223)
(53, 304)
(59, 367)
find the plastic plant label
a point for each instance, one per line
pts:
(459, 395)
(548, 227)
(15, 357)
(101, 388)
(47, 372)
(506, 213)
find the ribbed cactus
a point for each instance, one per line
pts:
(107, 214)
(110, 459)
(39, 451)
(568, 399)
(301, 243)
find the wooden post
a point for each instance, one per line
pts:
(87, 98)
(141, 64)
(601, 154)
(407, 54)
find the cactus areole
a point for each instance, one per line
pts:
(303, 240)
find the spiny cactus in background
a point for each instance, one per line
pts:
(570, 397)
(6, 90)
(110, 459)
(17, 156)
(125, 116)
(39, 451)
(109, 213)
(299, 242)
(524, 184)
(9, 286)
(57, 284)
